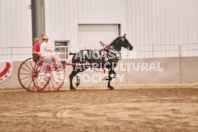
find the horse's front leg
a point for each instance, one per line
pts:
(110, 78)
(78, 81)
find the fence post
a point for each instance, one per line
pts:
(65, 52)
(180, 62)
(11, 52)
(153, 50)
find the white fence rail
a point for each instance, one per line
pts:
(143, 51)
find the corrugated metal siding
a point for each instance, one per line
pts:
(162, 21)
(60, 19)
(63, 16)
(145, 21)
(15, 23)
(15, 29)
(102, 11)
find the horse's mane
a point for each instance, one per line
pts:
(114, 41)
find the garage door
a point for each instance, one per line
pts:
(90, 35)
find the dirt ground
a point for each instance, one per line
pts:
(152, 108)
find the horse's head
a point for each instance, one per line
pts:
(118, 43)
(125, 43)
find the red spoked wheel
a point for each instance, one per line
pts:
(25, 75)
(49, 78)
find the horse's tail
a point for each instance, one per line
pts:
(70, 53)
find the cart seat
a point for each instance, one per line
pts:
(35, 57)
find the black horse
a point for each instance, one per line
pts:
(103, 58)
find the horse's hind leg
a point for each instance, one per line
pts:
(110, 78)
(71, 78)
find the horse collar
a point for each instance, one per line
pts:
(107, 47)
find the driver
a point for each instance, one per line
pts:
(45, 50)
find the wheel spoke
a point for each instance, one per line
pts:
(29, 84)
(27, 81)
(55, 81)
(28, 67)
(25, 74)
(59, 77)
(52, 85)
(25, 78)
(25, 69)
(31, 64)
(48, 87)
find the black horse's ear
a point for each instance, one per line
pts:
(102, 44)
(124, 35)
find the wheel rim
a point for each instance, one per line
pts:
(25, 73)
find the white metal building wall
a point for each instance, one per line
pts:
(162, 21)
(15, 23)
(15, 29)
(63, 16)
(144, 21)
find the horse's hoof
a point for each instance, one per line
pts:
(111, 88)
(105, 79)
(72, 89)
(77, 84)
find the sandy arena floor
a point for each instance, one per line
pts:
(128, 110)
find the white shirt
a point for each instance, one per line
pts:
(44, 49)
